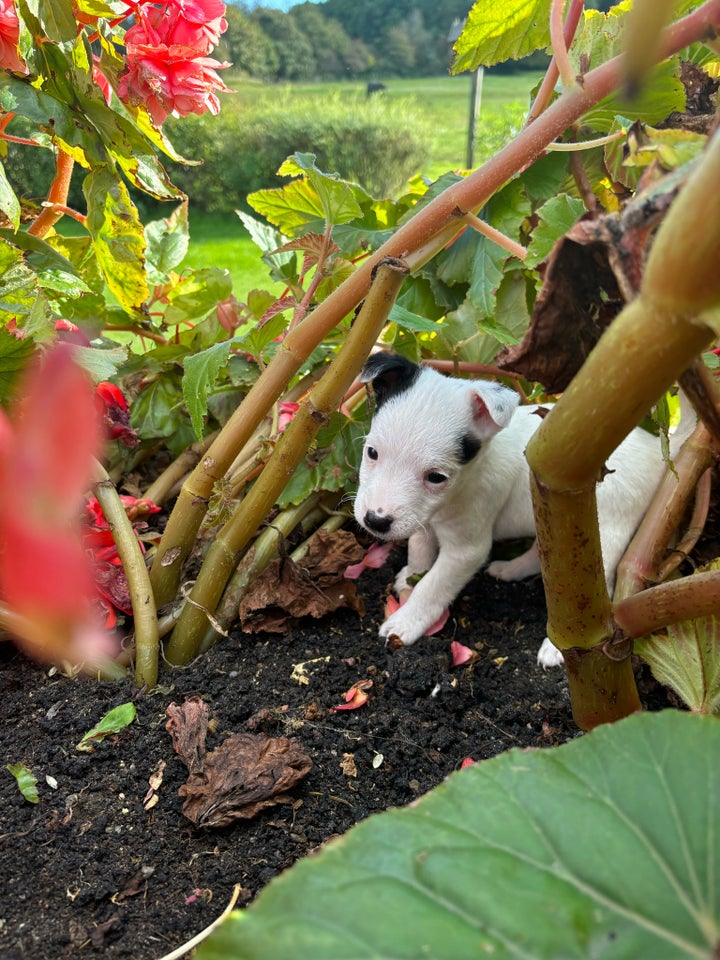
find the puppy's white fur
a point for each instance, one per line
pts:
(444, 467)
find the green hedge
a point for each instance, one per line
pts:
(378, 143)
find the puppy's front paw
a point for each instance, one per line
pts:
(403, 627)
(549, 655)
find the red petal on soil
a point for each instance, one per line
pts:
(468, 762)
(355, 697)
(461, 654)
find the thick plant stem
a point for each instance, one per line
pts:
(687, 599)
(147, 643)
(642, 353)
(417, 241)
(57, 197)
(639, 568)
(325, 397)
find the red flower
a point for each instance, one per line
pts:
(9, 37)
(46, 457)
(111, 582)
(286, 413)
(167, 82)
(115, 412)
(193, 24)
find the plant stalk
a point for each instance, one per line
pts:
(325, 397)
(147, 642)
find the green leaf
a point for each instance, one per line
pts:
(555, 217)
(113, 722)
(27, 783)
(117, 234)
(334, 458)
(9, 203)
(158, 409)
(201, 371)
(499, 30)
(100, 363)
(57, 19)
(604, 848)
(308, 203)
(197, 294)
(53, 270)
(688, 661)
(14, 355)
(18, 284)
(661, 95)
(258, 337)
(167, 241)
(412, 321)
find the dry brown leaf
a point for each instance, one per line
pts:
(247, 773)
(312, 588)
(589, 275)
(347, 765)
(187, 726)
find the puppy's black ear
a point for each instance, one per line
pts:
(389, 374)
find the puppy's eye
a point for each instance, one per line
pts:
(372, 453)
(435, 478)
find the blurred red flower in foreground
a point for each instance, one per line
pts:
(46, 463)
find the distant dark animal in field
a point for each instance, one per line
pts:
(375, 87)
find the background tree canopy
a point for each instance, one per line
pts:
(345, 39)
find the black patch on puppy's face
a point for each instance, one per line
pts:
(468, 447)
(389, 374)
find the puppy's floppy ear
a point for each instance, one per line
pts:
(389, 374)
(492, 407)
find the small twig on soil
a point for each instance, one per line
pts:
(198, 938)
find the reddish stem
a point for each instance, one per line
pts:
(57, 197)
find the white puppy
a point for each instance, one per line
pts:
(444, 467)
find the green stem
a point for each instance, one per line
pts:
(147, 644)
(325, 397)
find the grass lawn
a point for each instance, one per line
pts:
(223, 242)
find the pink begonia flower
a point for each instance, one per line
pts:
(9, 38)
(375, 557)
(194, 24)
(167, 82)
(286, 413)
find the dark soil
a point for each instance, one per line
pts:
(89, 871)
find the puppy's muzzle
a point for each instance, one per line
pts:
(376, 523)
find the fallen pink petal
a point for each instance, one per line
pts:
(460, 654)
(355, 697)
(374, 559)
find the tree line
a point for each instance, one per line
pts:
(344, 39)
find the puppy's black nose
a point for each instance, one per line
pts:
(376, 523)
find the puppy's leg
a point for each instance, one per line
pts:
(526, 565)
(455, 565)
(422, 550)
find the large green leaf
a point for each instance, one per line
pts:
(201, 372)
(117, 233)
(309, 202)
(167, 241)
(607, 847)
(555, 217)
(499, 30)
